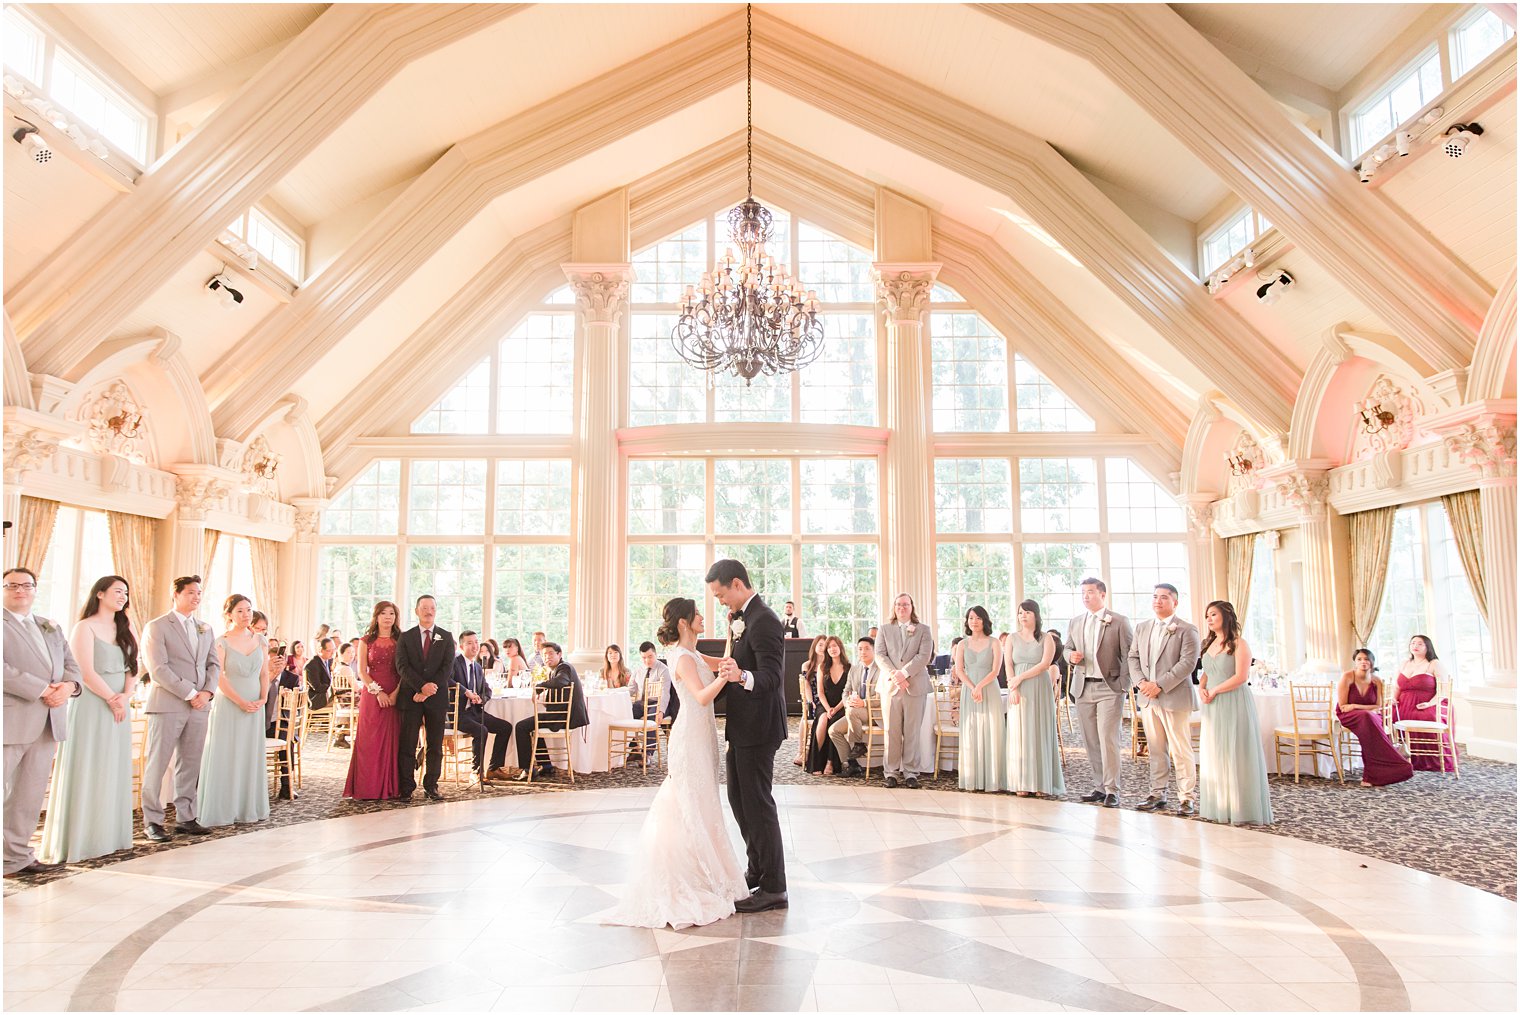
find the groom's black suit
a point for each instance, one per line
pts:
(755, 728)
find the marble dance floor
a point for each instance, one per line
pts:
(900, 901)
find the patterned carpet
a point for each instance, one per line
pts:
(1417, 824)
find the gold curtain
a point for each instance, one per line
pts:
(133, 538)
(1371, 538)
(1239, 553)
(266, 558)
(213, 536)
(34, 531)
(1465, 513)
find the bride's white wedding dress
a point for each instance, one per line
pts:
(687, 873)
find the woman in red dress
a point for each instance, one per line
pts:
(1360, 710)
(372, 767)
(1417, 700)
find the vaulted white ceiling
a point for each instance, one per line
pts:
(543, 52)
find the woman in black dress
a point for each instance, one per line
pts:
(833, 678)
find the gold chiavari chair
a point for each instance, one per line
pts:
(1311, 734)
(875, 734)
(345, 706)
(635, 736)
(551, 726)
(946, 728)
(1434, 735)
(1137, 742)
(458, 746)
(282, 750)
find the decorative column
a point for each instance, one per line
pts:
(1305, 487)
(298, 573)
(1486, 441)
(601, 296)
(903, 290)
(196, 490)
(1205, 553)
(30, 440)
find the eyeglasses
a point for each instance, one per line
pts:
(16, 586)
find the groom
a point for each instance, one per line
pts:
(755, 704)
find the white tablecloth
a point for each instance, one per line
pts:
(588, 746)
(926, 734)
(1274, 709)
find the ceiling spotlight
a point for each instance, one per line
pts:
(1272, 291)
(1458, 136)
(1433, 117)
(31, 141)
(1401, 142)
(221, 285)
(97, 148)
(1365, 173)
(1249, 258)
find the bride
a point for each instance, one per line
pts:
(693, 875)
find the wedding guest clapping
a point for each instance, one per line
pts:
(234, 782)
(89, 811)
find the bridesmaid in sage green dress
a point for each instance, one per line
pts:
(1232, 768)
(1034, 741)
(89, 809)
(983, 755)
(234, 786)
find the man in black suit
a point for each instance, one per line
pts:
(473, 717)
(319, 676)
(755, 704)
(564, 675)
(425, 663)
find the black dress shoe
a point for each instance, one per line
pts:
(156, 833)
(547, 772)
(37, 867)
(891, 782)
(193, 827)
(1111, 800)
(852, 767)
(403, 797)
(1187, 810)
(432, 794)
(858, 750)
(286, 793)
(1095, 797)
(911, 782)
(760, 902)
(1152, 803)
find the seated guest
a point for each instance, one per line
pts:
(833, 679)
(807, 693)
(649, 667)
(983, 745)
(1232, 784)
(849, 730)
(473, 717)
(488, 655)
(274, 667)
(614, 673)
(295, 665)
(537, 658)
(513, 665)
(670, 701)
(89, 810)
(1359, 698)
(319, 680)
(1417, 699)
(344, 678)
(234, 780)
(563, 675)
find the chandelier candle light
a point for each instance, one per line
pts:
(748, 316)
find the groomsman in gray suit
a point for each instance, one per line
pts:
(40, 677)
(184, 672)
(903, 651)
(1097, 647)
(1161, 661)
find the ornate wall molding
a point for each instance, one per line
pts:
(601, 290)
(903, 290)
(115, 423)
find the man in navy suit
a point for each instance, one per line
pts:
(473, 717)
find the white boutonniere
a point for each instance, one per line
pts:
(1107, 618)
(909, 630)
(1171, 628)
(737, 628)
(201, 628)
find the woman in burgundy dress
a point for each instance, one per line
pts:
(1417, 700)
(1360, 710)
(372, 767)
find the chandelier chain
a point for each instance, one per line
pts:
(749, 99)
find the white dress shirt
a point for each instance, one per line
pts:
(749, 678)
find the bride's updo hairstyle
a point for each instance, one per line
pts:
(677, 610)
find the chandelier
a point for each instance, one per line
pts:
(748, 316)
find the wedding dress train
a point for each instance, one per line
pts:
(687, 873)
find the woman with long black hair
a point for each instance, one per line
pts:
(1034, 739)
(1232, 768)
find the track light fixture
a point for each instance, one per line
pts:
(1365, 173)
(30, 139)
(1271, 291)
(221, 286)
(1401, 142)
(1458, 136)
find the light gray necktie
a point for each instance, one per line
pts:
(29, 625)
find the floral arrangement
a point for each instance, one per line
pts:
(540, 674)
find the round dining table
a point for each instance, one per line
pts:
(588, 745)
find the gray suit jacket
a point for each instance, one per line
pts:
(898, 650)
(177, 668)
(1112, 654)
(1173, 667)
(27, 676)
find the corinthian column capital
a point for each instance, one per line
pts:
(601, 290)
(1303, 484)
(903, 289)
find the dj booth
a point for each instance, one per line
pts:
(796, 654)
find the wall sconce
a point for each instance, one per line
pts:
(125, 424)
(266, 466)
(1240, 463)
(1375, 417)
